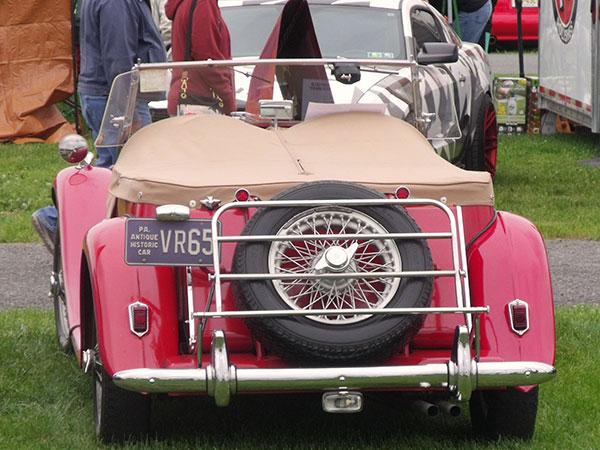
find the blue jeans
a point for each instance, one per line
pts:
(92, 107)
(473, 23)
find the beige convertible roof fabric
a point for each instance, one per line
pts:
(191, 157)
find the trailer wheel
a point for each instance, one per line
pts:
(483, 153)
(333, 338)
(507, 413)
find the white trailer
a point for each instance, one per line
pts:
(569, 60)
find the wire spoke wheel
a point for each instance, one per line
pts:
(59, 298)
(363, 256)
(332, 337)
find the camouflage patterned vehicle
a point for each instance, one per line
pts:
(390, 29)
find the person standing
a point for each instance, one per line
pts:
(200, 33)
(113, 36)
(473, 16)
(162, 22)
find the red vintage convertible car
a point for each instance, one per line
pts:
(263, 253)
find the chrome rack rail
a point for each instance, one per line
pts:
(459, 273)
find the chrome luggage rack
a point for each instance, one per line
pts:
(459, 262)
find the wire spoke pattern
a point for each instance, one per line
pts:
(301, 256)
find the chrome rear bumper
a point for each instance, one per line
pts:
(220, 379)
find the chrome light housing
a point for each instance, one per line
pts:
(73, 148)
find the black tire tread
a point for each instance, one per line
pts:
(63, 335)
(125, 414)
(475, 154)
(509, 413)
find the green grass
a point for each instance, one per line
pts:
(538, 177)
(46, 402)
(26, 175)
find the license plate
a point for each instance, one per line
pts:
(151, 242)
(527, 3)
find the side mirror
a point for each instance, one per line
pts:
(437, 53)
(73, 148)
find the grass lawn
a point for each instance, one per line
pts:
(538, 177)
(46, 402)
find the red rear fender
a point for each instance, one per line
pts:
(508, 262)
(80, 197)
(115, 286)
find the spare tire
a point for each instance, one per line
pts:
(333, 339)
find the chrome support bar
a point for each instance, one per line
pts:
(331, 276)
(278, 62)
(463, 262)
(333, 237)
(357, 311)
(190, 306)
(221, 379)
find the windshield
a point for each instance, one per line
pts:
(388, 87)
(347, 31)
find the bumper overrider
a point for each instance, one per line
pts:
(461, 375)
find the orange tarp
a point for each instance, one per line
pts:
(36, 69)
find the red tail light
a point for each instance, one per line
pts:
(518, 311)
(138, 318)
(402, 192)
(242, 195)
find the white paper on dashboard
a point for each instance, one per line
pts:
(315, 110)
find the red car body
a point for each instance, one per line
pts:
(345, 256)
(504, 22)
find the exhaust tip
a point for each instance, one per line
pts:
(451, 409)
(426, 408)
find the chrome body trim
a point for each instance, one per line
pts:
(172, 212)
(463, 261)
(131, 320)
(320, 312)
(510, 316)
(190, 305)
(221, 379)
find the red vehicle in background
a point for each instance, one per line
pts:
(505, 21)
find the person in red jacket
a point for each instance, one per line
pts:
(200, 33)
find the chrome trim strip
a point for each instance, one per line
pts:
(357, 311)
(172, 212)
(190, 303)
(332, 237)
(331, 276)
(278, 62)
(464, 266)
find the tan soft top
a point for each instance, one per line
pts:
(191, 157)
